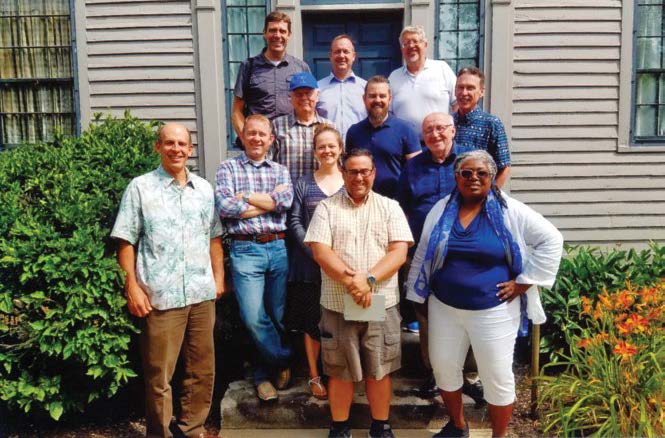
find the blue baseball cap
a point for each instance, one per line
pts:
(302, 80)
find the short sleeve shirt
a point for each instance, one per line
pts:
(360, 236)
(389, 143)
(172, 226)
(265, 87)
(416, 96)
(480, 130)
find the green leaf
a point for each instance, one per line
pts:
(55, 410)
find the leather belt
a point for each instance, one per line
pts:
(259, 238)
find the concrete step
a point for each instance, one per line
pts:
(323, 433)
(297, 409)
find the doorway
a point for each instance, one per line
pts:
(375, 34)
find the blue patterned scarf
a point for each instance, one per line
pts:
(437, 246)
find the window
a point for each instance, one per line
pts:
(649, 73)
(36, 71)
(460, 33)
(243, 37)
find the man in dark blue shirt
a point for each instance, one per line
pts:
(477, 129)
(391, 140)
(429, 177)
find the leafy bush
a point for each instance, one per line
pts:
(613, 382)
(64, 331)
(584, 272)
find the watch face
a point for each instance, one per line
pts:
(371, 280)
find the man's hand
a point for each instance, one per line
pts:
(511, 290)
(359, 283)
(239, 195)
(137, 300)
(281, 188)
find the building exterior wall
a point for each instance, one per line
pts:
(568, 164)
(559, 76)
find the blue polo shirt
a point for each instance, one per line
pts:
(389, 142)
(480, 130)
(422, 184)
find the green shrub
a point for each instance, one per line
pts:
(612, 384)
(584, 272)
(64, 330)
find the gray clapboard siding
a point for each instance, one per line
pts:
(565, 126)
(140, 57)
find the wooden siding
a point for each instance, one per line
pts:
(141, 58)
(565, 126)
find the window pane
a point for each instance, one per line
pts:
(648, 52)
(645, 121)
(237, 47)
(255, 19)
(237, 20)
(256, 44)
(459, 32)
(646, 88)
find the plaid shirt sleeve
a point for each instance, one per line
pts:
(225, 200)
(319, 230)
(398, 227)
(284, 199)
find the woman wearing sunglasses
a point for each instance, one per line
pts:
(479, 251)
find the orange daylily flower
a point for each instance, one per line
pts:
(583, 343)
(638, 323)
(605, 301)
(586, 306)
(625, 350)
(624, 300)
(598, 312)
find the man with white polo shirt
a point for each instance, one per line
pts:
(421, 86)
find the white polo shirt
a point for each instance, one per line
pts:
(416, 96)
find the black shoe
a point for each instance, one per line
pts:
(343, 432)
(475, 391)
(386, 432)
(429, 388)
(450, 431)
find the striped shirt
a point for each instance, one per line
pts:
(480, 130)
(240, 174)
(360, 236)
(294, 145)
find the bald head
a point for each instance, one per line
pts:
(438, 133)
(169, 127)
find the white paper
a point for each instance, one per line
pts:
(375, 312)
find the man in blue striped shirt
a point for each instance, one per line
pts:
(477, 129)
(252, 195)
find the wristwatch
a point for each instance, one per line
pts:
(371, 280)
(245, 196)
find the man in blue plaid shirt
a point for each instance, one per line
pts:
(252, 195)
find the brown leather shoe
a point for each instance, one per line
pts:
(266, 392)
(283, 379)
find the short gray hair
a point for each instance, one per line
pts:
(478, 155)
(417, 29)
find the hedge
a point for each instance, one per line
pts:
(64, 328)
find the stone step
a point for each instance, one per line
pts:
(297, 409)
(323, 433)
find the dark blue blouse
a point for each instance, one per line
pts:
(475, 264)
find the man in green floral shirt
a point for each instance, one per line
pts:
(171, 252)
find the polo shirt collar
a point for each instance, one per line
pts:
(428, 64)
(165, 179)
(293, 121)
(386, 123)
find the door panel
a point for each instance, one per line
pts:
(375, 36)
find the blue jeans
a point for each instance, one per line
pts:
(259, 274)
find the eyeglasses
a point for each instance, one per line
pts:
(438, 129)
(468, 173)
(362, 172)
(411, 43)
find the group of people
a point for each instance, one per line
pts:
(337, 180)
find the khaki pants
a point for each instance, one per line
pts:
(165, 335)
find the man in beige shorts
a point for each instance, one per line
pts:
(360, 240)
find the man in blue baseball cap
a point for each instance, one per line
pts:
(294, 133)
